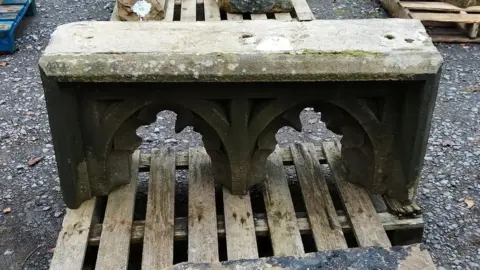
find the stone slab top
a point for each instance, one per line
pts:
(248, 51)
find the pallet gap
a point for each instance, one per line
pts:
(337, 202)
(219, 200)
(181, 193)
(222, 249)
(350, 239)
(200, 12)
(308, 243)
(141, 196)
(270, 16)
(246, 16)
(180, 251)
(176, 12)
(295, 189)
(264, 244)
(223, 15)
(256, 199)
(135, 256)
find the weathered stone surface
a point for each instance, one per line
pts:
(375, 84)
(240, 51)
(255, 6)
(463, 3)
(126, 12)
(403, 257)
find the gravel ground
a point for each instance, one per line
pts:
(30, 196)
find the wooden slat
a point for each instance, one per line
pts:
(327, 232)
(117, 223)
(169, 10)
(234, 17)
(283, 16)
(473, 9)
(181, 159)
(189, 11)
(8, 16)
(239, 227)
(367, 227)
(72, 239)
(5, 26)
(282, 222)
(395, 9)
(390, 222)
(453, 38)
(10, 8)
(470, 29)
(14, 2)
(158, 244)
(303, 11)
(447, 17)
(202, 218)
(258, 16)
(432, 6)
(212, 12)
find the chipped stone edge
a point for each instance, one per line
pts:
(240, 67)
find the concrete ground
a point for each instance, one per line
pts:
(30, 201)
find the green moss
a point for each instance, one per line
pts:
(349, 53)
(389, 36)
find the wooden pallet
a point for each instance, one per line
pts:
(207, 10)
(315, 210)
(11, 13)
(444, 22)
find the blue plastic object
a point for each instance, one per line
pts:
(11, 13)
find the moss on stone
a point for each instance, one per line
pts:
(348, 53)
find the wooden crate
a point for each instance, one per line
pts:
(207, 10)
(444, 22)
(304, 206)
(11, 14)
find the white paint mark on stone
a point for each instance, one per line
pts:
(243, 70)
(141, 8)
(172, 62)
(207, 63)
(232, 67)
(264, 69)
(273, 43)
(195, 74)
(181, 67)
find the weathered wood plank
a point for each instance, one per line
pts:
(283, 16)
(189, 11)
(258, 16)
(73, 238)
(430, 6)
(303, 11)
(367, 227)
(395, 9)
(212, 12)
(239, 227)
(202, 219)
(181, 159)
(282, 223)
(327, 232)
(446, 17)
(169, 10)
(117, 223)
(390, 222)
(158, 243)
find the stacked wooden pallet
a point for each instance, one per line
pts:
(207, 10)
(11, 13)
(317, 210)
(444, 22)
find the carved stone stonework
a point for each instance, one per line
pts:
(378, 93)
